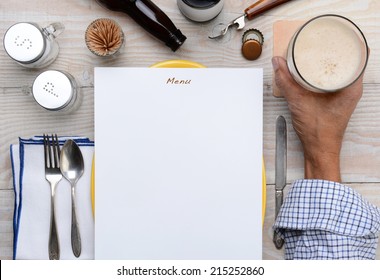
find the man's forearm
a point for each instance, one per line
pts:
(324, 166)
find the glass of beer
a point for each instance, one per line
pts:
(327, 53)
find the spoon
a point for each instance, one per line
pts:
(72, 167)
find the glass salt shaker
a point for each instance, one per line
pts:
(55, 90)
(32, 46)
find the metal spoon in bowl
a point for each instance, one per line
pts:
(72, 167)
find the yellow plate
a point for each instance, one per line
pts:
(264, 191)
(93, 185)
(179, 64)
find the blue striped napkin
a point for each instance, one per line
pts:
(32, 202)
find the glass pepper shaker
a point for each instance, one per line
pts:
(32, 46)
(55, 90)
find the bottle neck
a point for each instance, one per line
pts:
(176, 39)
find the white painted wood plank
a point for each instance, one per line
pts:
(19, 116)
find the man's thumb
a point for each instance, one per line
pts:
(282, 78)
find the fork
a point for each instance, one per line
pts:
(53, 176)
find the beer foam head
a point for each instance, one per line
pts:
(329, 53)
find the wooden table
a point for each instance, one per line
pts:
(21, 117)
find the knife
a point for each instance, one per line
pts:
(280, 178)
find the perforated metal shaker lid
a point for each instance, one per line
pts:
(53, 89)
(24, 42)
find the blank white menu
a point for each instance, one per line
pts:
(178, 163)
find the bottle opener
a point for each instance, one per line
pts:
(252, 11)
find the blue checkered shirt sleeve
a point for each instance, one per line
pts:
(327, 220)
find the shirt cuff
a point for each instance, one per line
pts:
(328, 206)
(327, 220)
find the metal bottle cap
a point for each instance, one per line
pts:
(53, 90)
(24, 42)
(253, 40)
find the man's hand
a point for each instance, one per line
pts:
(319, 119)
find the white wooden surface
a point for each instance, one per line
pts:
(20, 117)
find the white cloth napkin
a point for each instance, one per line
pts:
(32, 202)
